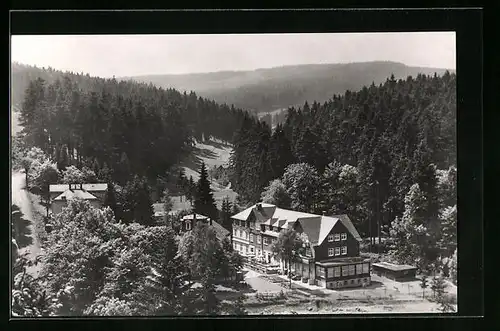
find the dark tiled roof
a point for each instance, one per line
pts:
(394, 267)
(316, 227)
(350, 227)
(311, 227)
(220, 231)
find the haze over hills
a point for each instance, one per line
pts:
(268, 89)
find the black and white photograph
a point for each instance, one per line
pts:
(233, 174)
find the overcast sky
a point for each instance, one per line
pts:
(129, 55)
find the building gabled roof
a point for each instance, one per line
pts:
(69, 194)
(350, 227)
(264, 214)
(281, 224)
(327, 224)
(59, 188)
(220, 231)
(192, 216)
(311, 227)
(243, 216)
(316, 227)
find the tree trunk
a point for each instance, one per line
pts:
(26, 177)
(290, 272)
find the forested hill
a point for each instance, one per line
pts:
(128, 128)
(265, 90)
(359, 148)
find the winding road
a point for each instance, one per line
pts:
(21, 199)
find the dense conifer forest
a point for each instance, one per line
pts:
(128, 127)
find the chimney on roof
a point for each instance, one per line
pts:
(324, 213)
(259, 206)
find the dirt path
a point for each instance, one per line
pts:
(21, 199)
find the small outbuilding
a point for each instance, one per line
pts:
(394, 271)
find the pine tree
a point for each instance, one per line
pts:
(110, 199)
(63, 160)
(138, 205)
(424, 285)
(191, 189)
(167, 201)
(235, 210)
(280, 153)
(226, 214)
(204, 203)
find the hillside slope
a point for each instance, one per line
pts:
(265, 90)
(212, 153)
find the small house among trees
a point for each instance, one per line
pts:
(188, 222)
(60, 194)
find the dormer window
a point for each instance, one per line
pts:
(188, 225)
(330, 238)
(337, 237)
(344, 236)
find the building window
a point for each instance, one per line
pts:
(234, 232)
(359, 269)
(351, 270)
(337, 237)
(330, 251)
(308, 251)
(259, 253)
(344, 250)
(266, 241)
(251, 249)
(234, 246)
(366, 268)
(320, 271)
(337, 271)
(337, 251)
(251, 237)
(344, 236)
(345, 271)
(258, 239)
(330, 238)
(188, 225)
(274, 240)
(340, 284)
(352, 281)
(330, 272)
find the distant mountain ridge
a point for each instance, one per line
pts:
(268, 89)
